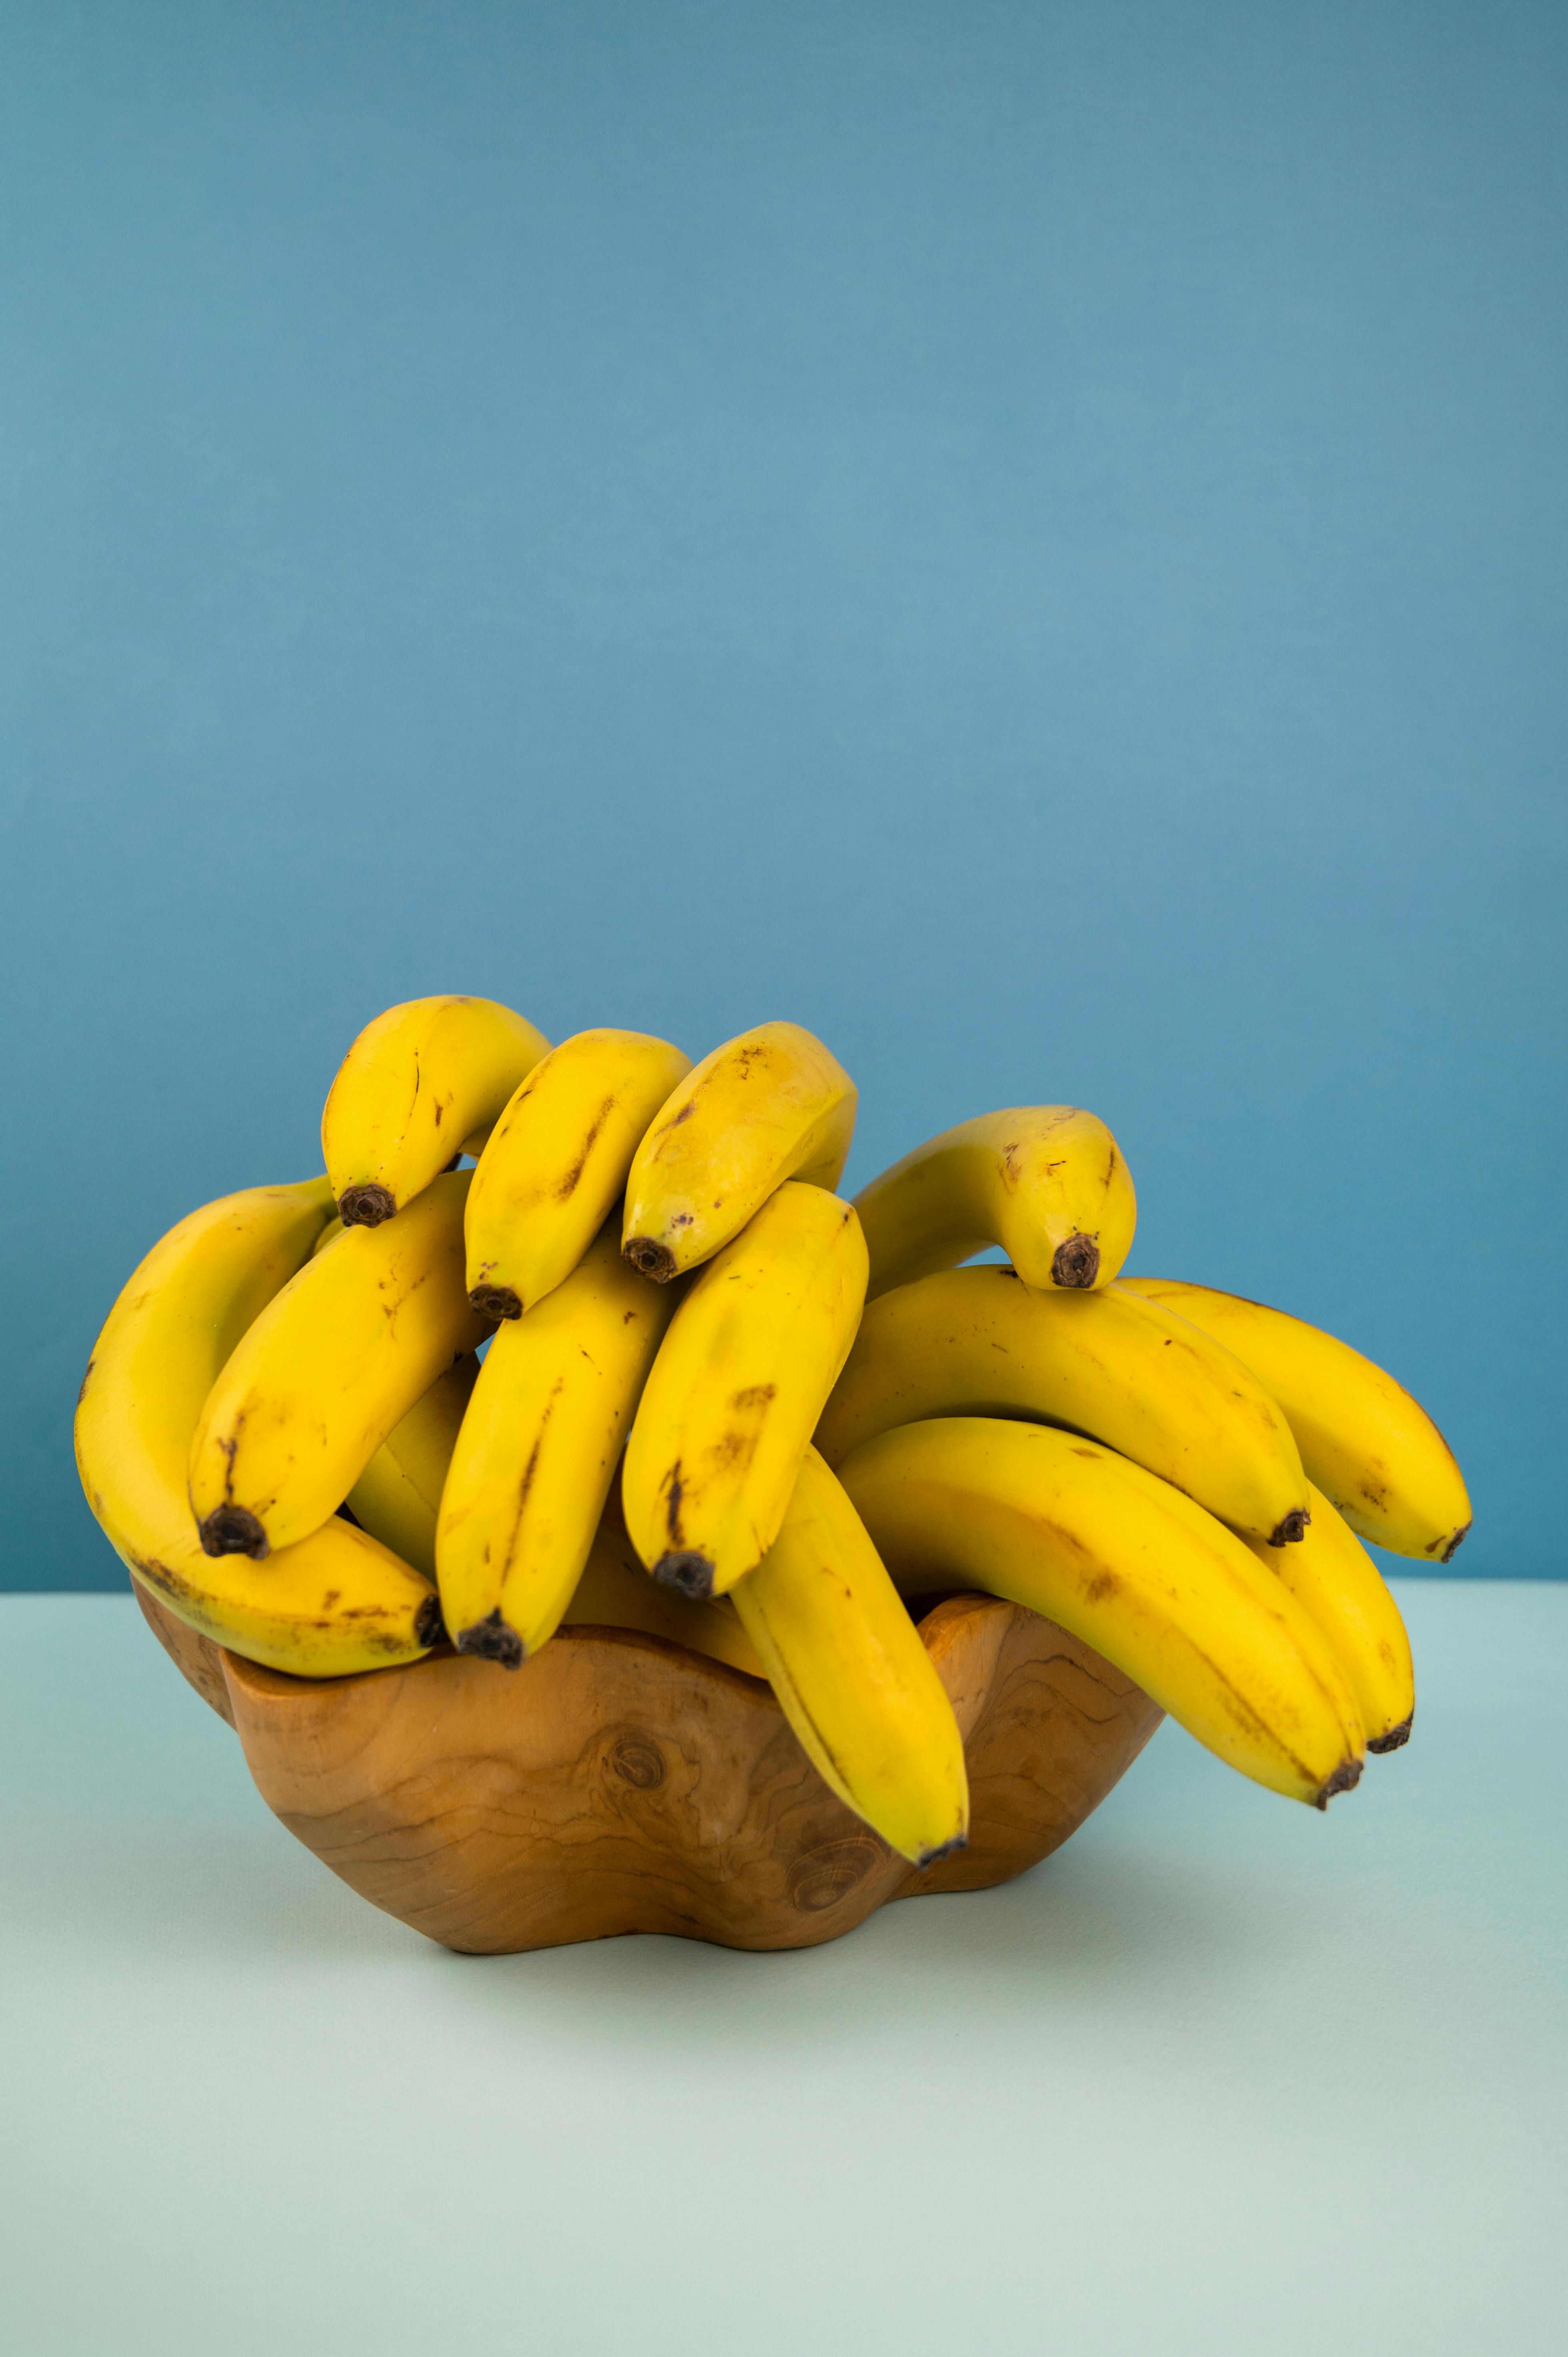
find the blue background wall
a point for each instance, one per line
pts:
(1029, 538)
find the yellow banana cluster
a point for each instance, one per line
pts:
(642, 1367)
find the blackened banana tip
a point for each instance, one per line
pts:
(1455, 1542)
(929, 1858)
(649, 1258)
(1395, 1740)
(496, 1301)
(429, 1629)
(366, 1206)
(234, 1530)
(688, 1573)
(1292, 1530)
(1345, 1779)
(1076, 1264)
(492, 1641)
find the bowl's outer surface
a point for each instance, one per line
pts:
(618, 1783)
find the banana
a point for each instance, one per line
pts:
(770, 1105)
(558, 1159)
(740, 1380)
(335, 1604)
(615, 1592)
(1046, 1182)
(1365, 1442)
(397, 1498)
(1167, 1594)
(329, 1235)
(852, 1676)
(975, 1341)
(538, 1452)
(1336, 1581)
(330, 1366)
(419, 1086)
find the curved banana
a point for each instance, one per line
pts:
(1168, 1595)
(416, 1088)
(330, 1366)
(1366, 1443)
(740, 1379)
(397, 1498)
(1336, 1581)
(1046, 1182)
(538, 1451)
(975, 1341)
(851, 1674)
(615, 1592)
(329, 1235)
(769, 1105)
(558, 1159)
(335, 1604)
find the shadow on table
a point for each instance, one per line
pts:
(1076, 1927)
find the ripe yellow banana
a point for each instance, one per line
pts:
(538, 1452)
(558, 1159)
(769, 1105)
(330, 1366)
(739, 1384)
(397, 1498)
(336, 1603)
(615, 1592)
(1046, 1182)
(1336, 1581)
(976, 1342)
(415, 1090)
(1365, 1442)
(852, 1676)
(1178, 1602)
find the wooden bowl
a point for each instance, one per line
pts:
(618, 1783)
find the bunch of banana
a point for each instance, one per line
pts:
(336, 1600)
(643, 1368)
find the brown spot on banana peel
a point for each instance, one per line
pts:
(1076, 1264)
(492, 1640)
(689, 1573)
(494, 1301)
(1395, 1740)
(234, 1530)
(649, 1258)
(366, 1206)
(1345, 1779)
(675, 1491)
(568, 1184)
(1455, 1542)
(1292, 1530)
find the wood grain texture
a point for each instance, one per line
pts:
(618, 1783)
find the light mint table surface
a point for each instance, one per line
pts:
(1223, 2076)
